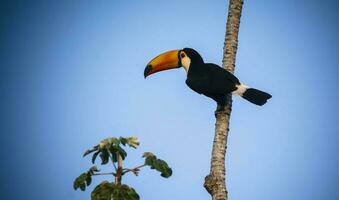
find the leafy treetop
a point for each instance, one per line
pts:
(113, 149)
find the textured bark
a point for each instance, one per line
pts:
(119, 173)
(215, 181)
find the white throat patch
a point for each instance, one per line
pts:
(186, 62)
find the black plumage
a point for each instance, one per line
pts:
(215, 82)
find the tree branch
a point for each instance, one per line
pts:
(215, 181)
(135, 170)
(118, 177)
(101, 174)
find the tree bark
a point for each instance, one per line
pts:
(119, 174)
(215, 181)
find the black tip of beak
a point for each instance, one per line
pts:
(147, 70)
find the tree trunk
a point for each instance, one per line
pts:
(215, 181)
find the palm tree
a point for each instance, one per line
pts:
(215, 181)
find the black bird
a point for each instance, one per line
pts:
(205, 78)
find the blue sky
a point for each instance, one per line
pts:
(71, 74)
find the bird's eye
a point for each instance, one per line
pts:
(182, 55)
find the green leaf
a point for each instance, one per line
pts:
(104, 156)
(88, 180)
(150, 161)
(114, 155)
(106, 143)
(147, 154)
(95, 156)
(106, 190)
(114, 150)
(83, 186)
(95, 148)
(130, 141)
(84, 179)
(79, 181)
(112, 146)
(122, 152)
(123, 141)
(103, 191)
(128, 193)
(157, 164)
(163, 167)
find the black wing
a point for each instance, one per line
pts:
(212, 79)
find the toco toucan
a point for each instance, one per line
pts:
(205, 78)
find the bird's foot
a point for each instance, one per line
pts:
(220, 108)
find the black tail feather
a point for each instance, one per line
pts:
(256, 96)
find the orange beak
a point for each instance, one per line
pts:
(164, 61)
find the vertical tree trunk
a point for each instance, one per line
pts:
(215, 181)
(119, 172)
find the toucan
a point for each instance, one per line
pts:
(208, 79)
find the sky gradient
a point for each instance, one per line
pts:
(71, 74)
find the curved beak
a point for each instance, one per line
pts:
(164, 61)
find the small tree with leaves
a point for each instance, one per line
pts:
(111, 149)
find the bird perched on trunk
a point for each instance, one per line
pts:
(205, 78)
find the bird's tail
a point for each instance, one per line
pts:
(256, 96)
(253, 95)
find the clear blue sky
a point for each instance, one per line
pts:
(71, 74)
